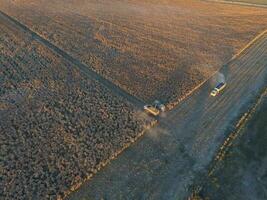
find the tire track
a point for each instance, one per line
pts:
(242, 60)
(186, 139)
(244, 69)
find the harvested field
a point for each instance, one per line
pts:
(242, 174)
(173, 155)
(153, 49)
(57, 127)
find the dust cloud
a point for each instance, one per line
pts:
(156, 133)
(141, 115)
(217, 78)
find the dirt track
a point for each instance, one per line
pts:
(165, 163)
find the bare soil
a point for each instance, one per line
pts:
(153, 49)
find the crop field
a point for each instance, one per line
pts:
(72, 83)
(57, 126)
(174, 156)
(152, 49)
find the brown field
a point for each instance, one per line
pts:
(153, 49)
(57, 127)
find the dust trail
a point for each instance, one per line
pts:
(153, 132)
(141, 115)
(157, 133)
(217, 78)
(163, 115)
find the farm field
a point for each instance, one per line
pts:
(174, 156)
(75, 74)
(242, 175)
(152, 49)
(57, 126)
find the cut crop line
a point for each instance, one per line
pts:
(105, 163)
(249, 44)
(259, 53)
(228, 143)
(242, 122)
(172, 105)
(108, 84)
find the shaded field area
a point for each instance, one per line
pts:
(243, 174)
(57, 127)
(153, 49)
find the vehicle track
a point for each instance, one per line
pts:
(245, 55)
(186, 139)
(86, 70)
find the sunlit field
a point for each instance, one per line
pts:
(77, 79)
(153, 49)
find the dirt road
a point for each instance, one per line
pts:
(168, 159)
(82, 67)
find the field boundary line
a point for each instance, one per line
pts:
(238, 3)
(172, 105)
(227, 144)
(102, 165)
(83, 68)
(249, 44)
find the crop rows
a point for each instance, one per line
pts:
(151, 49)
(57, 127)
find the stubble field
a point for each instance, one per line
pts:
(243, 175)
(153, 49)
(57, 127)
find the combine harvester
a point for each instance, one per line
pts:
(155, 108)
(218, 89)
